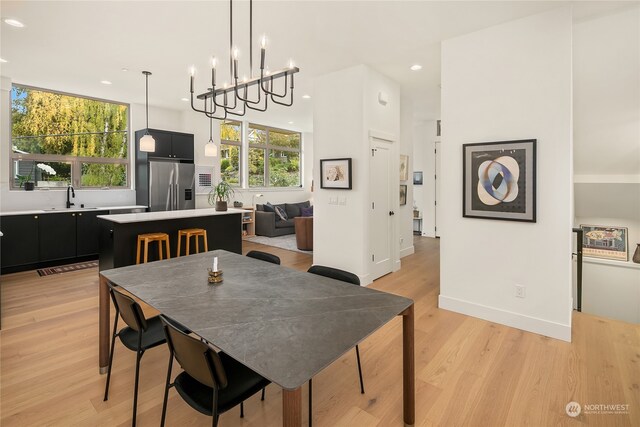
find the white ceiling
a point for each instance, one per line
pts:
(71, 46)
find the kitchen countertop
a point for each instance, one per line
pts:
(61, 210)
(165, 215)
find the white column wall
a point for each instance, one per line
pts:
(346, 110)
(508, 82)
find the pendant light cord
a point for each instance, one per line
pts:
(147, 99)
(251, 38)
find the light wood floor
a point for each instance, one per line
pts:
(469, 372)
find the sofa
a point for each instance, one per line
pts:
(269, 223)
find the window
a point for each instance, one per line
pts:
(274, 157)
(60, 139)
(230, 151)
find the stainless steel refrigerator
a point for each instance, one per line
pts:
(171, 186)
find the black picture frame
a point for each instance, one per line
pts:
(403, 194)
(335, 174)
(417, 178)
(499, 180)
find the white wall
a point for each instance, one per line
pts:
(507, 82)
(424, 138)
(25, 200)
(606, 55)
(346, 109)
(405, 213)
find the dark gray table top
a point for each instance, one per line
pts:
(285, 324)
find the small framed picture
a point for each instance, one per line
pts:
(403, 194)
(335, 174)
(601, 241)
(499, 180)
(417, 178)
(404, 167)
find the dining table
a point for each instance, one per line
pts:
(286, 325)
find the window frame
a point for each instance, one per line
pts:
(75, 161)
(267, 147)
(241, 150)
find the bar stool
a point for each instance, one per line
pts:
(152, 237)
(193, 232)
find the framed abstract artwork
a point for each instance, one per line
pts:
(403, 194)
(499, 180)
(601, 241)
(335, 174)
(404, 167)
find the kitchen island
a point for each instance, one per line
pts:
(119, 233)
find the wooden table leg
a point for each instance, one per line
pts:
(103, 337)
(408, 368)
(292, 407)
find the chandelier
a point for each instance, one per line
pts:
(249, 93)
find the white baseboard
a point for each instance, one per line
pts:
(407, 251)
(508, 318)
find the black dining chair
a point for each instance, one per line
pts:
(139, 335)
(264, 256)
(343, 276)
(211, 383)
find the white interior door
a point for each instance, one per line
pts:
(437, 186)
(381, 209)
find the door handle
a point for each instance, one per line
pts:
(391, 213)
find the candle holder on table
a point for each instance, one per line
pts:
(215, 277)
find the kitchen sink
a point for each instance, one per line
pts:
(66, 209)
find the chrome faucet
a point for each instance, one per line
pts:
(73, 194)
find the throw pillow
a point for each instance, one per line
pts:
(307, 211)
(281, 213)
(268, 207)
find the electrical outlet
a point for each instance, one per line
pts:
(521, 291)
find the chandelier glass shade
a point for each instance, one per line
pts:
(251, 92)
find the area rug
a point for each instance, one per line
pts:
(287, 242)
(67, 268)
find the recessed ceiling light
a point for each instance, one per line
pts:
(290, 123)
(124, 70)
(3, 60)
(184, 99)
(105, 82)
(416, 67)
(306, 96)
(14, 23)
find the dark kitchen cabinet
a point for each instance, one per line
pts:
(163, 143)
(182, 145)
(20, 243)
(169, 145)
(87, 232)
(57, 236)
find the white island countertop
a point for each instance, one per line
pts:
(167, 215)
(73, 209)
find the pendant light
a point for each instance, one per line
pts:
(210, 149)
(147, 143)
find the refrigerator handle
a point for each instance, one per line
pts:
(170, 204)
(177, 196)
